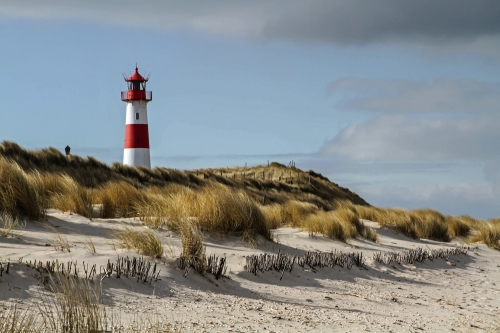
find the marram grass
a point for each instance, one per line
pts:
(228, 201)
(143, 240)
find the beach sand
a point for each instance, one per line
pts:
(461, 294)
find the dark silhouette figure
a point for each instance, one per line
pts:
(67, 150)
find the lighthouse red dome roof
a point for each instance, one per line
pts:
(136, 76)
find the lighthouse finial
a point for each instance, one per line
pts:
(136, 69)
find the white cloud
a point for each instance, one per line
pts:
(438, 121)
(406, 96)
(448, 124)
(404, 138)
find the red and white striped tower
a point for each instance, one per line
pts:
(136, 148)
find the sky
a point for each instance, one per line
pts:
(395, 100)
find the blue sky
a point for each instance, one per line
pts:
(397, 101)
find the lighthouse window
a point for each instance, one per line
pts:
(137, 116)
(137, 140)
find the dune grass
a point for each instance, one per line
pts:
(306, 186)
(71, 196)
(430, 224)
(20, 192)
(15, 320)
(227, 201)
(212, 208)
(460, 226)
(341, 224)
(8, 224)
(145, 241)
(73, 306)
(193, 249)
(117, 199)
(419, 223)
(89, 245)
(223, 210)
(488, 233)
(292, 213)
(77, 304)
(59, 242)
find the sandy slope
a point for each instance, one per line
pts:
(462, 294)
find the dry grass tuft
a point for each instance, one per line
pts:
(59, 242)
(71, 196)
(370, 234)
(144, 241)
(292, 213)
(430, 224)
(165, 208)
(341, 224)
(193, 249)
(223, 210)
(20, 192)
(7, 224)
(77, 305)
(488, 233)
(419, 223)
(273, 215)
(13, 320)
(89, 245)
(117, 199)
(458, 227)
(213, 208)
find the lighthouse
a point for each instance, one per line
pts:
(136, 146)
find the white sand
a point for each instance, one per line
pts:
(462, 294)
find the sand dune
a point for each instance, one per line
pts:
(461, 294)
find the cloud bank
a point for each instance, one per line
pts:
(404, 138)
(441, 95)
(316, 21)
(441, 120)
(443, 134)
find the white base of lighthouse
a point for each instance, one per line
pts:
(137, 157)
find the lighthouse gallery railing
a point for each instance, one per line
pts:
(136, 95)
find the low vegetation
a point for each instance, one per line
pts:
(20, 191)
(8, 224)
(419, 223)
(489, 234)
(89, 245)
(213, 208)
(144, 241)
(72, 305)
(340, 224)
(59, 242)
(71, 196)
(245, 202)
(279, 182)
(118, 199)
(193, 249)
(292, 213)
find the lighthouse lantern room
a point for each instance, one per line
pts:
(136, 147)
